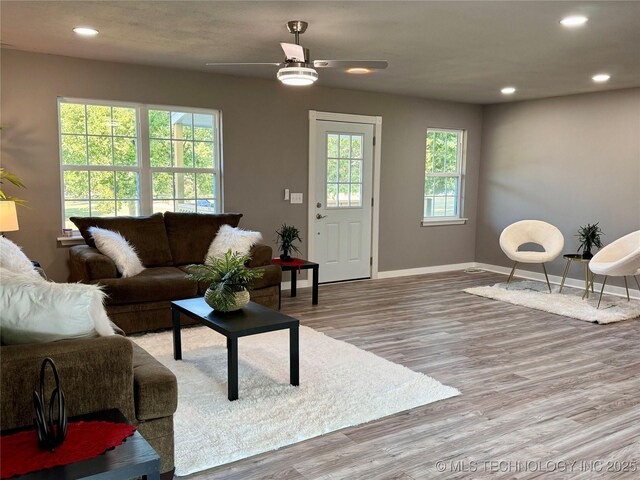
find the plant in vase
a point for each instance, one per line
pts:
(286, 236)
(229, 280)
(589, 237)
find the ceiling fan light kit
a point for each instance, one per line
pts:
(297, 76)
(298, 70)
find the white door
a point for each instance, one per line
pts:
(343, 186)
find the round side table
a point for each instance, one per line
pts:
(588, 277)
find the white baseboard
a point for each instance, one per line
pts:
(423, 270)
(557, 279)
(526, 274)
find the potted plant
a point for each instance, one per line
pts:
(589, 237)
(229, 280)
(14, 179)
(286, 235)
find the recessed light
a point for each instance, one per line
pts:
(358, 70)
(574, 21)
(601, 77)
(508, 90)
(85, 31)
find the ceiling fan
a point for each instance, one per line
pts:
(297, 69)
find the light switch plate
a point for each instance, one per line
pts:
(296, 198)
(286, 194)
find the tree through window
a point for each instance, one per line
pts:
(443, 174)
(129, 159)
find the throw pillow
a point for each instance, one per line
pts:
(238, 240)
(114, 246)
(36, 311)
(12, 258)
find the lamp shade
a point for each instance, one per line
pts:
(8, 216)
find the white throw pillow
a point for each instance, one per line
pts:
(13, 258)
(36, 311)
(238, 240)
(116, 247)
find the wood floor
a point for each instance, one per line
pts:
(539, 391)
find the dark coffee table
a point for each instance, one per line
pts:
(250, 320)
(134, 458)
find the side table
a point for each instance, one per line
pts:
(294, 267)
(133, 458)
(588, 278)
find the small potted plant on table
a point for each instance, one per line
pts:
(286, 235)
(589, 237)
(229, 279)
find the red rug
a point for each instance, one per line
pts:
(295, 262)
(21, 454)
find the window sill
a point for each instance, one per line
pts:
(444, 221)
(70, 241)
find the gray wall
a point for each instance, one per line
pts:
(568, 161)
(265, 149)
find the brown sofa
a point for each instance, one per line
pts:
(166, 244)
(96, 374)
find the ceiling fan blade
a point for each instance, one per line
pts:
(235, 64)
(370, 64)
(293, 51)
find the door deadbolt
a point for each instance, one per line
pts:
(318, 205)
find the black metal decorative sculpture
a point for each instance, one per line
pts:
(51, 429)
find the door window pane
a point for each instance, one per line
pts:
(344, 170)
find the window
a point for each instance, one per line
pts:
(129, 159)
(444, 164)
(344, 170)
(183, 160)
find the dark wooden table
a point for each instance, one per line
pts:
(306, 265)
(250, 320)
(134, 458)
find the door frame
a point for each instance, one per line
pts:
(376, 121)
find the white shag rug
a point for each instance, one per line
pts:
(569, 303)
(340, 386)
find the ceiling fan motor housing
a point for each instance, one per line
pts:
(297, 26)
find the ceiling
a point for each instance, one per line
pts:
(462, 51)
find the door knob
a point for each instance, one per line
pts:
(320, 217)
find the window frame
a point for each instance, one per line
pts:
(460, 173)
(144, 169)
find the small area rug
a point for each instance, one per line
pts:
(569, 303)
(340, 386)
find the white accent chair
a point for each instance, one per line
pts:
(618, 259)
(531, 231)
